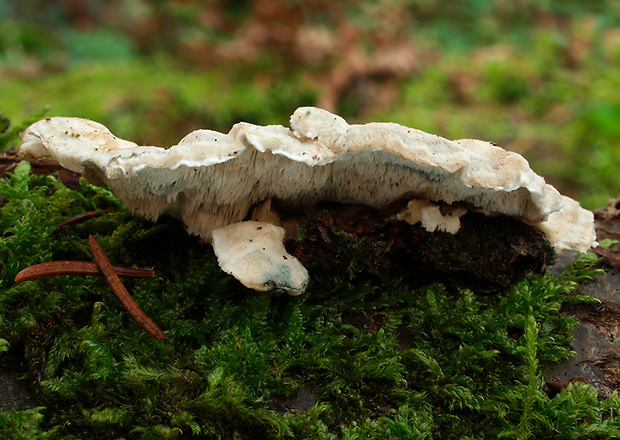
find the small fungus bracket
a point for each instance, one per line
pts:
(254, 253)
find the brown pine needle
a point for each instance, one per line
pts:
(53, 268)
(80, 218)
(121, 292)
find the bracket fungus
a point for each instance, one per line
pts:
(213, 181)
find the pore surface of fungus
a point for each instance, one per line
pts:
(211, 180)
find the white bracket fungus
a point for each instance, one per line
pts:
(211, 180)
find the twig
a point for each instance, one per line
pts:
(53, 268)
(121, 292)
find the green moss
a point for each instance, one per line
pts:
(373, 355)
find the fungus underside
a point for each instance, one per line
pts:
(358, 355)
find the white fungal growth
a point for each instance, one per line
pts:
(430, 216)
(254, 254)
(211, 179)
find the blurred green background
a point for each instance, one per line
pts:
(539, 77)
